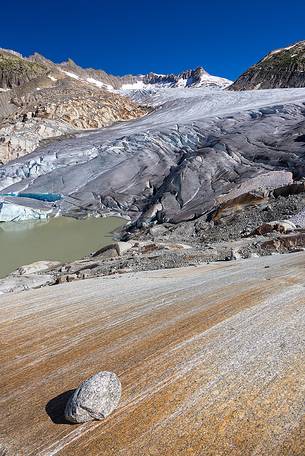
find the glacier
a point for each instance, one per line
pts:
(196, 145)
(15, 209)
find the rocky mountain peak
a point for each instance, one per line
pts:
(281, 68)
(69, 62)
(39, 58)
(199, 71)
(188, 78)
(10, 52)
(15, 70)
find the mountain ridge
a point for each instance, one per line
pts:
(197, 77)
(280, 68)
(40, 100)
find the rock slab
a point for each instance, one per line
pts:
(94, 399)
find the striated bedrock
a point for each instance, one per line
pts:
(167, 172)
(211, 360)
(281, 68)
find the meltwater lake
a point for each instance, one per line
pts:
(62, 239)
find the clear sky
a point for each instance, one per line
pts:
(134, 36)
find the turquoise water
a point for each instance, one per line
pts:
(50, 197)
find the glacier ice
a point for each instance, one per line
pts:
(196, 144)
(14, 209)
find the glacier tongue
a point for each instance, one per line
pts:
(196, 145)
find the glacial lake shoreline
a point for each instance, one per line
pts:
(62, 239)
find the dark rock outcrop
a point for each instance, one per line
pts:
(281, 68)
(15, 70)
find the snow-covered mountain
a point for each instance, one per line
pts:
(189, 78)
(31, 67)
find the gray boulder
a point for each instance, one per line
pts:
(94, 399)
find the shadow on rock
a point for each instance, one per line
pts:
(55, 408)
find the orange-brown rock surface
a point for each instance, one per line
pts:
(211, 361)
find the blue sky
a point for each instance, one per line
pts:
(134, 36)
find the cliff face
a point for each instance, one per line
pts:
(64, 109)
(282, 68)
(15, 71)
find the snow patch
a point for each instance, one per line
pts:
(134, 86)
(100, 84)
(282, 49)
(71, 75)
(181, 82)
(89, 80)
(208, 79)
(277, 51)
